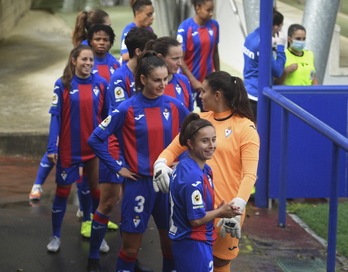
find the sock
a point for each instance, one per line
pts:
(226, 268)
(168, 263)
(125, 262)
(85, 199)
(95, 194)
(45, 168)
(58, 208)
(99, 228)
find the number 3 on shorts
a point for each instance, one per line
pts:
(140, 207)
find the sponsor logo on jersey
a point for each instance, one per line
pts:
(139, 117)
(117, 81)
(136, 221)
(196, 198)
(105, 122)
(166, 114)
(55, 99)
(196, 183)
(96, 90)
(119, 162)
(179, 38)
(119, 94)
(178, 89)
(94, 71)
(74, 91)
(194, 33)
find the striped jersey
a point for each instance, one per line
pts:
(198, 43)
(105, 66)
(192, 195)
(179, 87)
(143, 127)
(81, 109)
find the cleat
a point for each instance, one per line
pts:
(93, 265)
(86, 229)
(138, 267)
(54, 244)
(35, 193)
(104, 248)
(112, 226)
(79, 215)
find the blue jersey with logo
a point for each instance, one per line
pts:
(198, 43)
(179, 87)
(192, 195)
(144, 128)
(80, 109)
(121, 86)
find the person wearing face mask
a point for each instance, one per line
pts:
(251, 58)
(299, 66)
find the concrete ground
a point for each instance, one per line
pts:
(31, 59)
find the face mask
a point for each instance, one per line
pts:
(298, 45)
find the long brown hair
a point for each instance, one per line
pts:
(69, 70)
(84, 21)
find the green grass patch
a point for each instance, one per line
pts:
(316, 216)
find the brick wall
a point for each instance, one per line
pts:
(10, 13)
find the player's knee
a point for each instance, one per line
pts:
(63, 191)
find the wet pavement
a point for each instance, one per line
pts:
(32, 58)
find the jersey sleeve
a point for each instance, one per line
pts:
(57, 99)
(117, 91)
(279, 62)
(181, 36)
(250, 145)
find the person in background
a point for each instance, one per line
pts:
(144, 125)
(121, 87)
(199, 37)
(143, 11)
(178, 84)
(79, 104)
(192, 199)
(299, 66)
(251, 58)
(234, 162)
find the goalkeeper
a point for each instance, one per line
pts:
(234, 162)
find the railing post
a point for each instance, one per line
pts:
(333, 210)
(283, 175)
(261, 195)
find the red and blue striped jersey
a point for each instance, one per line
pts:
(105, 66)
(191, 195)
(80, 109)
(144, 128)
(198, 43)
(179, 87)
(121, 86)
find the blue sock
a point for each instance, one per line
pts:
(58, 212)
(85, 199)
(44, 170)
(168, 263)
(95, 195)
(125, 262)
(99, 228)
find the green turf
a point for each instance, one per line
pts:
(316, 216)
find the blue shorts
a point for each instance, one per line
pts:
(106, 176)
(192, 255)
(139, 202)
(66, 176)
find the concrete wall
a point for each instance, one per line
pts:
(10, 12)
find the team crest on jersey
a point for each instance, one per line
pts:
(105, 122)
(196, 198)
(211, 32)
(55, 99)
(64, 175)
(119, 93)
(136, 221)
(228, 132)
(166, 114)
(210, 180)
(96, 90)
(112, 70)
(178, 89)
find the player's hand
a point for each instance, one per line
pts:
(291, 68)
(53, 158)
(126, 173)
(161, 175)
(231, 226)
(280, 38)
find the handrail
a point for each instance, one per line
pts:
(308, 118)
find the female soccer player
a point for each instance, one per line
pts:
(144, 125)
(199, 37)
(235, 159)
(192, 199)
(79, 103)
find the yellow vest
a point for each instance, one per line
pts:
(305, 72)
